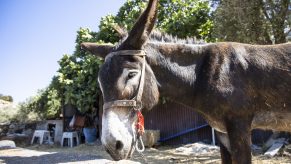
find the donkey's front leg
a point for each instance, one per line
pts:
(239, 134)
(224, 148)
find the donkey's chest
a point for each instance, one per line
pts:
(217, 124)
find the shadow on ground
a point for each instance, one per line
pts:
(24, 156)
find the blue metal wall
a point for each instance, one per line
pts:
(173, 119)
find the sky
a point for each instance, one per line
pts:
(35, 34)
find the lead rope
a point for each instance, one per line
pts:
(140, 118)
(140, 151)
(139, 145)
(140, 132)
(140, 148)
(138, 138)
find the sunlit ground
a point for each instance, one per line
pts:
(96, 154)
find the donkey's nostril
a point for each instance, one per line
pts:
(119, 145)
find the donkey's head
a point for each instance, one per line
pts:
(128, 85)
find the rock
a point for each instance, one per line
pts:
(12, 126)
(201, 148)
(288, 148)
(276, 146)
(271, 140)
(19, 139)
(256, 149)
(4, 123)
(151, 137)
(3, 130)
(7, 144)
(16, 128)
(197, 148)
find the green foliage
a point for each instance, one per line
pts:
(129, 13)
(76, 81)
(248, 21)
(78, 74)
(47, 103)
(107, 33)
(177, 17)
(186, 18)
(24, 112)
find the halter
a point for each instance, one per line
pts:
(135, 103)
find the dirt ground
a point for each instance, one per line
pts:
(45, 154)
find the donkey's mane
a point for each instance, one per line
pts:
(158, 36)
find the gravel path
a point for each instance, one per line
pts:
(46, 154)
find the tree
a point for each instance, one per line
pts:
(47, 102)
(251, 21)
(186, 18)
(180, 18)
(278, 15)
(6, 98)
(76, 81)
(241, 21)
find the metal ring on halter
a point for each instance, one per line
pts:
(138, 106)
(138, 149)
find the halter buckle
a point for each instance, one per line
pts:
(138, 106)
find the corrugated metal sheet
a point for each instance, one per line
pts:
(172, 118)
(261, 136)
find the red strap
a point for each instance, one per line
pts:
(140, 123)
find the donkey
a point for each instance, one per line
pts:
(235, 87)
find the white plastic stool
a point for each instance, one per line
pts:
(70, 136)
(41, 135)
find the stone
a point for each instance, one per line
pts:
(276, 146)
(151, 137)
(7, 144)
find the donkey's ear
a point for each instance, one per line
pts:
(142, 28)
(100, 50)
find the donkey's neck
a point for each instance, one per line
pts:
(175, 67)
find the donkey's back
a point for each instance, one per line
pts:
(252, 80)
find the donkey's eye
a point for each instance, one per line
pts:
(131, 75)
